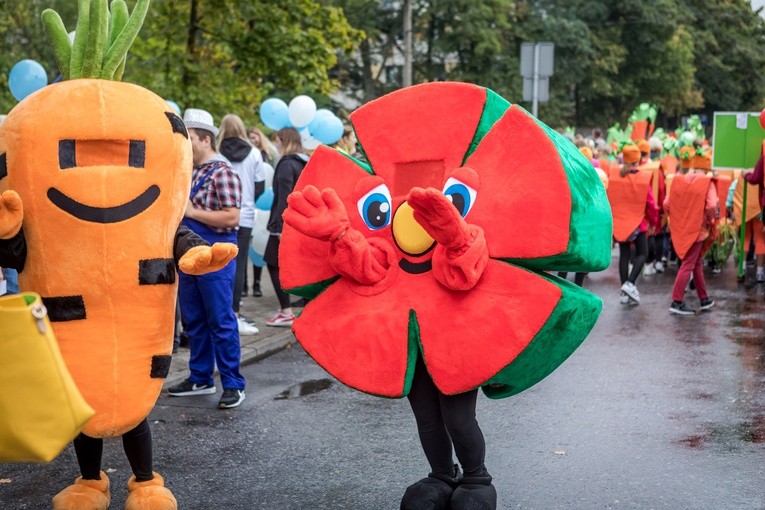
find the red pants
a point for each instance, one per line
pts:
(691, 264)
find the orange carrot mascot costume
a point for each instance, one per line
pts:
(98, 176)
(424, 268)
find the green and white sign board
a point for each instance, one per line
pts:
(737, 140)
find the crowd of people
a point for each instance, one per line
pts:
(668, 210)
(232, 169)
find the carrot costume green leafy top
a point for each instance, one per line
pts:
(106, 166)
(437, 246)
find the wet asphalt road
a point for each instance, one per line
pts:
(652, 412)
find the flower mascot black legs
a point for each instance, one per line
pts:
(443, 421)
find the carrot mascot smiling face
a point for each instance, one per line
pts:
(98, 175)
(103, 198)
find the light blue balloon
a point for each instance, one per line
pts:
(25, 78)
(328, 130)
(256, 258)
(265, 200)
(321, 113)
(174, 106)
(275, 113)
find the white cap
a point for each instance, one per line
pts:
(199, 119)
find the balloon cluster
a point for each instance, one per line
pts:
(319, 124)
(26, 77)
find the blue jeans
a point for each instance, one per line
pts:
(210, 323)
(12, 280)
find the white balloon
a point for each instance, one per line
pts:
(302, 110)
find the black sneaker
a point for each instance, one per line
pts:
(680, 308)
(706, 304)
(256, 292)
(188, 388)
(231, 398)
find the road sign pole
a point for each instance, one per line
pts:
(535, 87)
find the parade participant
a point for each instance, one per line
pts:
(634, 209)
(654, 234)
(212, 212)
(750, 220)
(113, 187)
(754, 227)
(645, 151)
(247, 162)
(286, 174)
(692, 215)
(270, 156)
(404, 252)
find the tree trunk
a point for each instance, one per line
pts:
(370, 91)
(191, 42)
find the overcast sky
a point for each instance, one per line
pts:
(757, 4)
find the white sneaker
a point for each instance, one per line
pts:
(630, 289)
(624, 299)
(659, 266)
(245, 328)
(648, 270)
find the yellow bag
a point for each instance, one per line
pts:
(41, 409)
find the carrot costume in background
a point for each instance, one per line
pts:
(692, 209)
(633, 208)
(98, 174)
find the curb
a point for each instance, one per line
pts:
(251, 353)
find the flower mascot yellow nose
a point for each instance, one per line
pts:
(430, 260)
(97, 174)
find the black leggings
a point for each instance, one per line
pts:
(284, 298)
(578, 277)
(641, 250)
(655, 248)
(443, 420)
(138, 450)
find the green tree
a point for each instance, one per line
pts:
(227, 55)
(221, 55)
(22, 37)
(729, 50)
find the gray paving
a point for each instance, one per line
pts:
(653, 412)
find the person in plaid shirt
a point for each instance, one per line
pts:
(211, 326)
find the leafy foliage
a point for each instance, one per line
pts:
(684, 56)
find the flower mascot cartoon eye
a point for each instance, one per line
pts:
(427, 264)
(97, 175)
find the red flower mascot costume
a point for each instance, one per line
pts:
(429, 283)
(98, 176)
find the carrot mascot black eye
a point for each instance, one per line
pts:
(100, 172)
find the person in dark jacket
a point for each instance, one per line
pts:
(286, 174)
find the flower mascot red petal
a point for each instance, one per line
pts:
(428, 262)
(99, 173)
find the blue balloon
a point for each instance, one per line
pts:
(321, 113)
(275, 113)
(328, 130)
(265, 200)
(256, 258)
(25, 78)
(174, 106)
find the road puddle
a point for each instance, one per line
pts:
(304, 388)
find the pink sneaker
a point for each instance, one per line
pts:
(281, 319)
